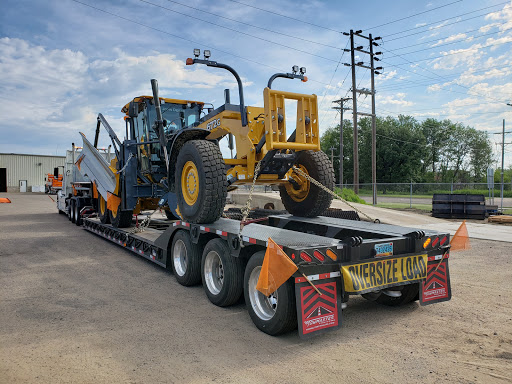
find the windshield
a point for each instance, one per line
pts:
(178, 116)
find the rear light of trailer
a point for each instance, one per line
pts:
(444, 240)
(331, 254)
(304, 256)
(319, 256)
(435, 242)
(427, 243)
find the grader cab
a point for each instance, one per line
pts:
(179, 166)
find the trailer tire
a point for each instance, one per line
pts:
(275, 314)
(68, 209)
(201, 183)
(103, 212)
(78, 218)
(409, 293)
(186, 259)
(222, 274)
(121, 219)
(72, 210)
(309, 200)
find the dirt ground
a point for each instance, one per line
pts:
(75, 308)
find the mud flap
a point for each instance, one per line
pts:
(316, 313)
(436, 287)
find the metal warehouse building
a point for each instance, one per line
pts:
(19, 172)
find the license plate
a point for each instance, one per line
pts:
(385, 249)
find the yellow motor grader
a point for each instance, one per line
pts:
(179, 165)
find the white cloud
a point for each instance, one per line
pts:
(396, 99)
(57, 93)
(458, 36)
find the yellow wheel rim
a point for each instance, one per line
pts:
(302, 192)
(190, 183)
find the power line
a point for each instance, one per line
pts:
(237, 31)
(252, 25)
(286, 16)
(182, 38)
(444, 25)
(456, 41)
(416, 14)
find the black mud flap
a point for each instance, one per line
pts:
(436, 287)
(318, 313)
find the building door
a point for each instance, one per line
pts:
(3, 179)
(23, 185)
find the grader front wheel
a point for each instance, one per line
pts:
(200, 181)
(300, 196)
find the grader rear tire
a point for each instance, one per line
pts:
(121, 218)
(103, 212)
(306, 199)
(201, 183)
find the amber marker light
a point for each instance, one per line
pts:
(190, 61)
(427, 243)
(331, 254)
(305, 79)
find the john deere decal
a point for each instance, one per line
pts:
(366, 277)
(318, 313)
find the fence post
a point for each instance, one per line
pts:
(451, 188)
(410, 199)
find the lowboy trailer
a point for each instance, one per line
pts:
(336, 258)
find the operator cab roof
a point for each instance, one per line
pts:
(138, 99)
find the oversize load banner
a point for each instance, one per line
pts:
(365, 277)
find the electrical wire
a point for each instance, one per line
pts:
(253, 26)
(238, 31)
(182, 38)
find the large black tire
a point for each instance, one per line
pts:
(186, 259)
(77, 208)
(103, 212)
(409, 293)
(307, 199)
(121, 218)
(72, 210)
(68, 210)
(222, 274)
(275, 314)
(201, 184)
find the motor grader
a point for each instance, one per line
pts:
(171, 157)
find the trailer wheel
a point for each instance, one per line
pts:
(222, 274)
(201, 183)
(68, 209)
(409, 293)
(78, 218)
(103, 211)
(121, 218)
(303, 198)
(275, 314)
(186, 259)
(72, 210)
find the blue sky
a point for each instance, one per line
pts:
(64, 61)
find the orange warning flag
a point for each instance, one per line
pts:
(460, 241)
(276, 269)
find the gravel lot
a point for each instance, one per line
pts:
(76, 308)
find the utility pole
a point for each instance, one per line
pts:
(341, 108)
(503, 159)
(373, 70)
